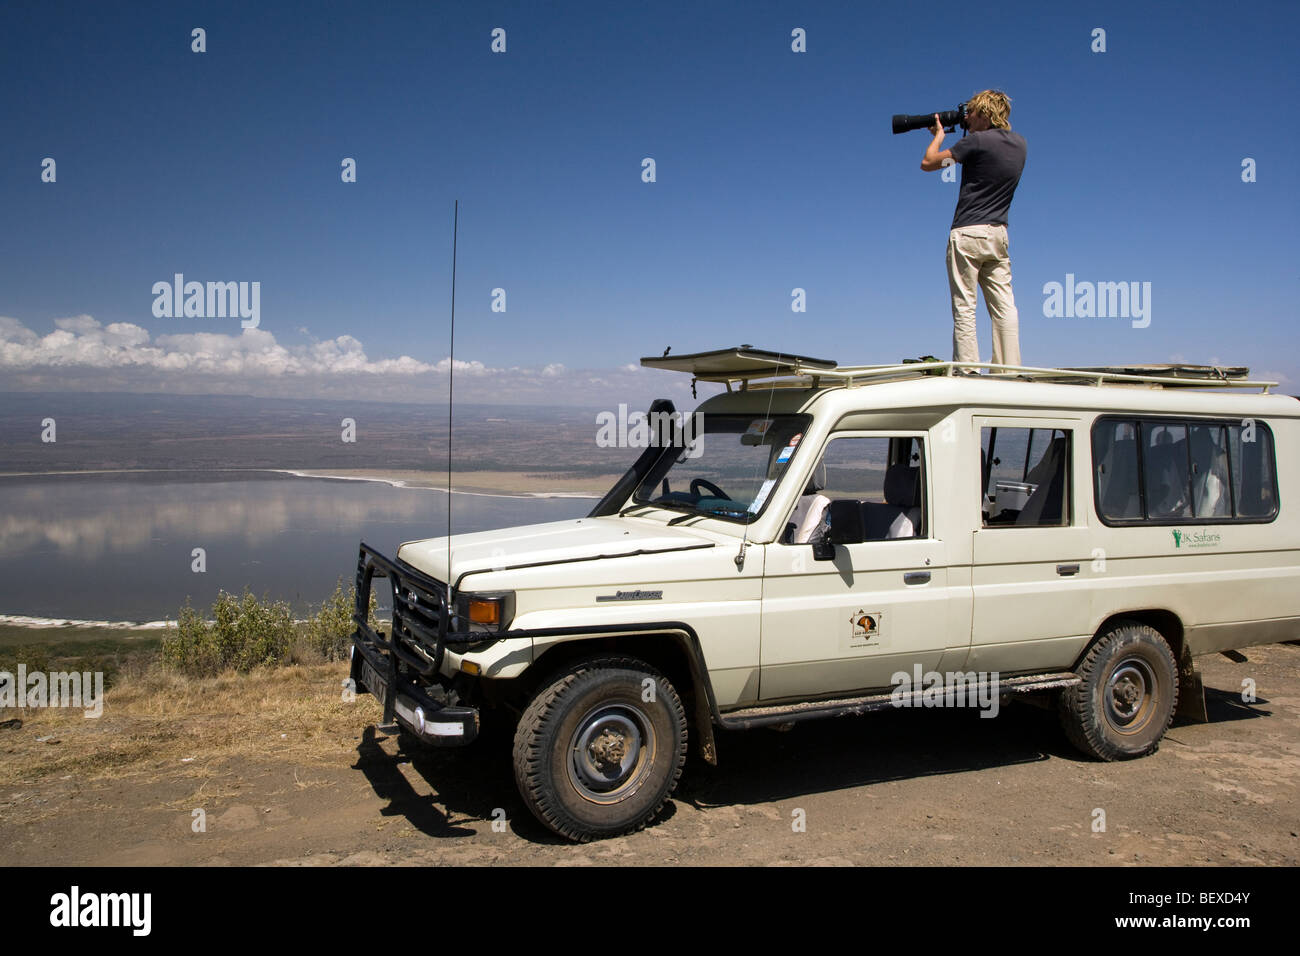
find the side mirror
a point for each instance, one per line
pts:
(846, 523)
(845, 528)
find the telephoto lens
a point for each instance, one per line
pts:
(950, 119)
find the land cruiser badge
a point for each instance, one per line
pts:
(632, 596)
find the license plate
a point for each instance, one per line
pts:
(374, 683)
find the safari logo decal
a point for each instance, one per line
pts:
(866, 628)
(1195, 539)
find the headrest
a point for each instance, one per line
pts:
(901, 485)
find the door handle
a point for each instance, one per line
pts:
(1065, 570)
(916, 577)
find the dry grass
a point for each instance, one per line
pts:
(159, 723)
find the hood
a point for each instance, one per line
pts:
(581, 539)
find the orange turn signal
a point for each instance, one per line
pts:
(484, 611)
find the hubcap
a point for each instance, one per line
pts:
(1130, 695)
(611, 753)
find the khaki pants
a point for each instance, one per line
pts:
(978, 255)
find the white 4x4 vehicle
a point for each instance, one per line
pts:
(819, 540)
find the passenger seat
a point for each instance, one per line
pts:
(1045, 505)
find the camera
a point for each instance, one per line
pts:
(950, 119)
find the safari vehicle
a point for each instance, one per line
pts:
(815, 533)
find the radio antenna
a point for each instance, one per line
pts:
(451, 380)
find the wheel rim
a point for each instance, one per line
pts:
(611, 753)
(1130, 695)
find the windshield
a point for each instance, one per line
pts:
(730, 467)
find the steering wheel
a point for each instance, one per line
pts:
(714, 490)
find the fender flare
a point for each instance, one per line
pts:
(706, 705)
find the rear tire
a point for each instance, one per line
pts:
(593, 758)
(1127, 697)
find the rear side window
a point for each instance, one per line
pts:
(1211, 488)
(1115, 457)
(1254, 478)
(1166, 471)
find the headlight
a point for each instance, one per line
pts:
(488, 612)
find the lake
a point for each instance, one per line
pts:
(117, 547)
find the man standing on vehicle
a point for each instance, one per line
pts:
(992, 158)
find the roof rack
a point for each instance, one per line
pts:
(746, 366)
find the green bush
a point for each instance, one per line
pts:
(244, 633)
(329, 633)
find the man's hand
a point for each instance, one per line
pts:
(934, 158)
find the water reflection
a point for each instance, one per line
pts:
(119, 547)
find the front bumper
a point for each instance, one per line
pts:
(408, 702)
(402, 668)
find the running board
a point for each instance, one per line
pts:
(750, 717)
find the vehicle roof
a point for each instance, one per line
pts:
(942, 394)
(758, 380)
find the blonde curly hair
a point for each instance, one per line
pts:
(994, 104)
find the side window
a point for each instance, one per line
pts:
(1026, 477)
(1158, 470)
(1253, 482)
(885, 476)
(1210, 490)
(1165, 474)
(1115, 456)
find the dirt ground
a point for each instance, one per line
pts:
(285, 772)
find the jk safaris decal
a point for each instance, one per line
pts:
(1196, 539)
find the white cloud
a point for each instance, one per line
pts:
(82, 341)
(84, 354)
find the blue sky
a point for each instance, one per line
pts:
(775, 170)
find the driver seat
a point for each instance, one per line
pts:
(900, 515)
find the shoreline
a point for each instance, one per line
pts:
(417, 481)
(405, 483)
(57, 623)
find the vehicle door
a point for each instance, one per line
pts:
(867, 609)
(1031, 558)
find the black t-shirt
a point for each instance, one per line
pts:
(991, 163)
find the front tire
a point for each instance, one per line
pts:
(594, 757)
(1127, 697)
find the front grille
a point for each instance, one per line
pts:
(419, 613)
(420, 617)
